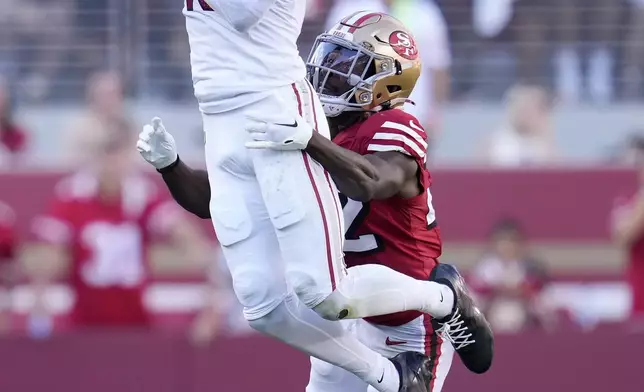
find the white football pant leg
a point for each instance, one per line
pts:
(276, 213)
(277, 217)
(240, 219)
(301, 200)
(388, 341)
(325, 377)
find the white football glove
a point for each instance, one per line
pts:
(156, 145)
(290, 135)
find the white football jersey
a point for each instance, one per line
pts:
(240, 50)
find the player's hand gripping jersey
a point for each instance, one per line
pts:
(241, 50)
(400, 233)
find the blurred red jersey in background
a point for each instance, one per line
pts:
(106, 241)
(7, 233)
(627, 216)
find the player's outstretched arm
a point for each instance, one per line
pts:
(189, 187)
(379, 175)
(376, 176)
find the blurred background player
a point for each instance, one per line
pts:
(97, 231)
(105, 108)
(525, 138)
(13, 138)
(8, 265)
(628, 231)
(509, 281)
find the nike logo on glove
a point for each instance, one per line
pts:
(294, 125)
(381, 377)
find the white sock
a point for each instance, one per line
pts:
(373, 290)
(300, 327)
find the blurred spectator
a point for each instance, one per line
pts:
(222, 312)
(99, 224)
(425, 20)
(526, 137)
(510, 281)
(630, 153)
(13, 139)
(105, 110)
(628, 232)
(7, 265)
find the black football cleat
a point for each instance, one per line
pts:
(415, 371)
(466, 327)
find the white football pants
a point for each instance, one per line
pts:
(276, 213)
(417, 335)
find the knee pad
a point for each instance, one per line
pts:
(264, 324)
(275, 321)
(257, 293)
(308, 289)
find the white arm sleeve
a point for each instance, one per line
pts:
(242, 14)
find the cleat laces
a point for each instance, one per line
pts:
(455, 331)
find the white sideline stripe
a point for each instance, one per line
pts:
(400, 138)
(409, 131)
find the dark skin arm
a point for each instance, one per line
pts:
(366, 177)
(189, 187)
(362, 178)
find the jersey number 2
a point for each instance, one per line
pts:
(202, 3)
(355, 213)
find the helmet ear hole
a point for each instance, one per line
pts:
(392, 88)
(398, 66)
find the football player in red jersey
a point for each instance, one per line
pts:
(364, 71)
(99, 226)
(8, 245)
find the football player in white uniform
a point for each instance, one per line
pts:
(276, 213)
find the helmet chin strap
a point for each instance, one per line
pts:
(394, 102)
(389, 104)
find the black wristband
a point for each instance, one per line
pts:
(170, 167)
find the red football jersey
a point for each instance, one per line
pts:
(107, 243)
(399, 233)
(635, 266)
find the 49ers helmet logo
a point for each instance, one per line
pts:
(403, 44)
